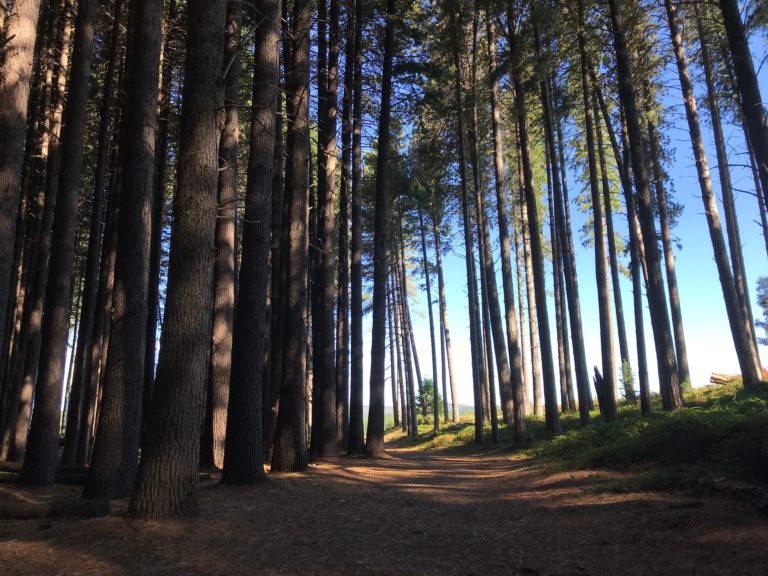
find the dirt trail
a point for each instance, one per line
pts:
(410, 513)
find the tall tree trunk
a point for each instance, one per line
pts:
(612, 255)
(158, 204)
(407, 324)
(15, 75)
(533, 323)
(568, 261)
(520, 272)
(474, 316)
(668, 378)
(517, 397)
(25, 370)
(746, 351)
(342, 300)
(729, 207)
(425, 263)
(324, 368)
(290, 450)
(681, 351)
(749, 89)
(407, 353)
(243, 462)
(356, 440)
(167, 482)
(215, 426)
(635, 249)
(608, 407)
(392, 367)
(42, 450)
(548, 368)
(395, 339)
(444, 324)
(100, 345)
(91, 282)
(116, 450)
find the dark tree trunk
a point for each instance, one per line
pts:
(290, 449)
(215, 427)
(158, 205)
(324, 441)
(91, 282)
(374, 443)
(15, 75)
(342, 300)
(116, 450)
(167, 481)
(517, 398)
(100, 345)
(356, 439)
(243, 462)
(42, 450)
(668, 379)
(475, 335)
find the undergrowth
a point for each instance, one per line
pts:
(721, 433)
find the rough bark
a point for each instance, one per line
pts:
(91, 278)
(42, 446)
(290, 449)
(116, 449)
(15, 75)
(342, 299)
(374, 442)
(243, 462)
(324, 441)
(356, 440)
(214, 433)
(167, 482)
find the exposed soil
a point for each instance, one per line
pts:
(410, 513)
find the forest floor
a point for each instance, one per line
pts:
(413, 512)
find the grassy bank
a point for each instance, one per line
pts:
(721, 434)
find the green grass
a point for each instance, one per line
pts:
(722, 432)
